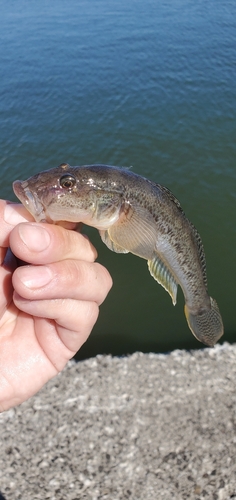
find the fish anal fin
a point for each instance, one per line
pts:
(163, 276)
(111, 244)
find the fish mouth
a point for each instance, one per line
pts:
(29, 200)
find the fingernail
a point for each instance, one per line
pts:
(36, 238)
(11, 215)
(35, 277)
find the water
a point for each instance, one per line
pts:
(148, 84)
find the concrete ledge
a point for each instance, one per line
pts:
(147, 426)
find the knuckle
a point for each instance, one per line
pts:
(105, 278)
(82, 280)
(76, 243)
(72, 272)
(80, 315)
(92, 314)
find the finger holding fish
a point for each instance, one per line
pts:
(69, 279)
(67, 305)
(43, 243)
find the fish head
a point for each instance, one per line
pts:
(71, 194)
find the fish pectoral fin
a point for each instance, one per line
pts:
(163, 276)
(111, 244)
(135, 231)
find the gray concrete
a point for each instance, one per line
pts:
(140, 427)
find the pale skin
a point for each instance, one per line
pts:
(48, 306)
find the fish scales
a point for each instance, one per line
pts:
(133, 214)
(174, 225)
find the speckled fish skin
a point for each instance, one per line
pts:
(132, 214)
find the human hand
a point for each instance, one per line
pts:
(47, 307)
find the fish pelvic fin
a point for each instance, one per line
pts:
(163, 276)
(114, 247)
(206, 326)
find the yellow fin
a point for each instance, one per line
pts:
(163, 276)
(111, 244)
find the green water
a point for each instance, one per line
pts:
(148, 84)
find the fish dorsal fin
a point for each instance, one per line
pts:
(135, 231)
(172, 197)
(163, 276)
(201, 252)
(111, 244)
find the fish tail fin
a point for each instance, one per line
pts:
(207, 326)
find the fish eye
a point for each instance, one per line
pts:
(67, 181)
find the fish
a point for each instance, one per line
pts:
(132, 214)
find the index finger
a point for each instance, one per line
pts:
(42, 243)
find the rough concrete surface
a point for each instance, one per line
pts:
(146, 426)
